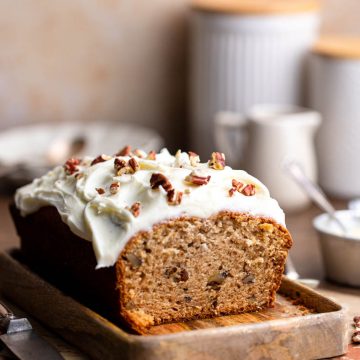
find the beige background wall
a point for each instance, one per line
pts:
(117, 60)
(85, 60)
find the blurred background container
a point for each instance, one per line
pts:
(246, 53)
(334, 91)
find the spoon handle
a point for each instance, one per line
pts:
(313, 191)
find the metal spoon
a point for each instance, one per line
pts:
(294, 169)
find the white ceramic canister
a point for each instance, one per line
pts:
(244, 53)
(335, 93)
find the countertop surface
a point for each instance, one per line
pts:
(305, 254)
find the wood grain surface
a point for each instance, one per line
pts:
(303, 323)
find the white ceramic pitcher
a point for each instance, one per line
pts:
(269, 136)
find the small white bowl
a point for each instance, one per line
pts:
(340, 252)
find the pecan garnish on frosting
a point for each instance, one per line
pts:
(196, 179)
(139, 153)
(71, 166)
(134, 165)
(247, 190)
(120, 166)
(158, 179)
(123, 167)
(151, 155)
(194, 158)
(174, 197)
(99, 159)
(100, 191)
(125, 151)
(135, 209)
(217, 161)
(114, 187)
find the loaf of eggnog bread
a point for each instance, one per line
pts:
(150, 238)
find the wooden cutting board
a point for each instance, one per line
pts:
(302, 325)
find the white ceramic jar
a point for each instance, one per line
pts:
(244, 53)
(334, 92)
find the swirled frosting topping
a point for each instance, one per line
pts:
(107, 200)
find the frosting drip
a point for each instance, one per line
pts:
(108, 207)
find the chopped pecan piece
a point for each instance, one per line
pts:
(71, 166)
(114, 187)
(135, 209)
(120, 166)
(99, 159)
(238, 185)
(158, 179)
(232, 191)
(151, 155)
(134, 165)
(139, 153)
(196, 179)
(125, 151)
(194, 158)
(248, 190)
(173, 197)
(100, 191)
(217, 161)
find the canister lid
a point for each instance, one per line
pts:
(256, 7)
(340, 47)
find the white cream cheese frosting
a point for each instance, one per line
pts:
(109, 218)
